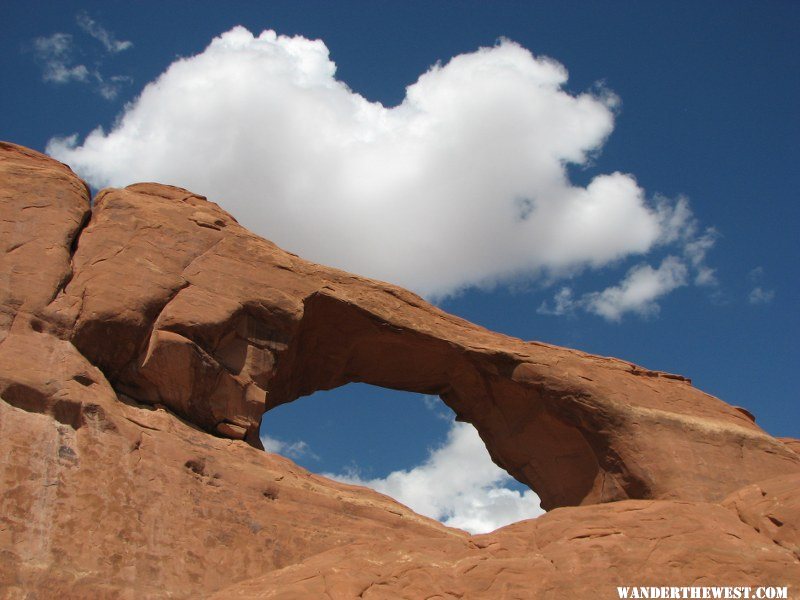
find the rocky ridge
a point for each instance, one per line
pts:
(143, 335)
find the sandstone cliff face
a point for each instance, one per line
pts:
(142, 338)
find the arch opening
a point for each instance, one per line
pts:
(408, 446)
(535, 432)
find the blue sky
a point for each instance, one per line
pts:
(693, 103)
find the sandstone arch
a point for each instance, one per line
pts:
(226, 325)
(162, 299)
(338, 343)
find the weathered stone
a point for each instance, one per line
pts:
(772, 508)
(44, 206)
(225, 325)
(582, 552)
(792, 444)
(133, 345)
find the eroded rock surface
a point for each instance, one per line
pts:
(582, 552)
(43, 206)
(142, 338)
(772, 508)
(179, 305)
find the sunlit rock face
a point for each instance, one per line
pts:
(142, 338)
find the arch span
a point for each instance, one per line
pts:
(338, 342)
(225, 325)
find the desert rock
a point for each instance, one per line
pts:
(143, 336)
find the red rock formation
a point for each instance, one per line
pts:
(137, 350)
(771, 507)
(583, 552)
(792, 444)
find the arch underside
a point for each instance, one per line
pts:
(337, 343)
(227, 325)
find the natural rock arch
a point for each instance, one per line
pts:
(226, 325)
(339, 343)
(157, 297)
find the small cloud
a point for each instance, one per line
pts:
(437, 407)
(637, 293)
(55, 55)
(101, 34)
(109, 89)
(706, 276)
(695, 250)
(295, 450)
(563, 303)
(457, 484)
(761, 296)
(676, 217)
(679, 226)
(756, 275)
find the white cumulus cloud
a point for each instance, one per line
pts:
(639, 290)
(637, 293)
(458, 484)
(463, 183)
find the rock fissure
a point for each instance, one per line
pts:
(73, 247)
